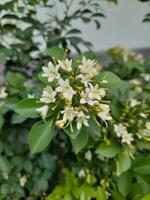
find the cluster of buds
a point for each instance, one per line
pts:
(122, 54)
(72, 94)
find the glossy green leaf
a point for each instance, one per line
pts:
(114, 82)
(27, 108)
(80, 141)
(108, 150)
(15, 79)
(124, 183)
(101, 194)
(124, 162)
(56, 52)
(40, 136)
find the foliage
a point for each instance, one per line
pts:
(21, 28)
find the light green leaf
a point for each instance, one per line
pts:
(101, 194)
(124, 162)
(114, 82)
(116, 195)
(147, 197)
(40, 136)
(27, 107)
(80, 141)
(94, 128)
(15, 79)
(56, 52)
(124, 183)
(17, 119)
(142, 166)
(108, 150)
(72, 130)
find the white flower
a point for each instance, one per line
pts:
(88, 155)
(84, 78)
(51, 72)
(69, 114)
(31, 96)
(86, 97)
(147, 125)
(82, 119)
(134, 102)
(82, 174)
(120, 129)
(96, 92)
(89, 67)
(3, 93)
(48, 95)
(65, 64)
(104, 112)
(65, 89)
(127, 138)
(43, 111)
(23, 181)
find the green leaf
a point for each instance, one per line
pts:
(73, 31)
(56, 52)
(40, 136)
(108, 150)
(101, 194)
(114, 82)
(147, 197)
(27, 107)
(116, 195)
(4, 164)
(72, 130)
(15, 79)
(1, 121)
(80, 141)
(124, 162)
(94, 128)
(142, 166)
(124, 183)
(17, 119)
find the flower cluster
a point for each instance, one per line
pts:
(120, 53)
(72, 93)
(121, 132)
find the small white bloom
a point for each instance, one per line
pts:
(51, 72)
(60, 123)
(3, 93)
(127, 138)
(43, 111)
(82, 119)
(120, 129)
(31, 96)
(88, 155)
(143, 115)
(134, 102)
(84, 78)
(96, 92)
(86, 97)
(65, 89)
(89, 67)
(147, 125)
(69, 114)
(23, 181)
(104, 112)
(65, 64)
(48, 95)
(82, 174)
